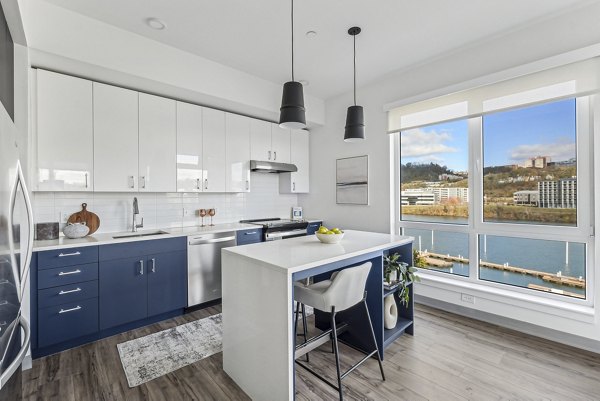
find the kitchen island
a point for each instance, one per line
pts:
(258, 307)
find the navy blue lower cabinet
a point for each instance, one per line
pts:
(167, 282)
(68, 321)
(251, 236)
(313, 227)
(123, 291)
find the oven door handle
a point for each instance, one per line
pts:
(283, 234)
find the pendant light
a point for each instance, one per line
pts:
(292, 114)
(355, 119)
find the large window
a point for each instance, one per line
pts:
(530, 165)
(503, 199)
(434, 173)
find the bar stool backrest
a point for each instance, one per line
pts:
(348, 287)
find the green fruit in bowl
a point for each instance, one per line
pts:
(323, 230)
(329, 232)
(337, 231)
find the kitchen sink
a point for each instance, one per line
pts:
(140, 234)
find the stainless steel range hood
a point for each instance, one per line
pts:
(272, 167)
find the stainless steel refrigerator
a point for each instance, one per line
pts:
(16, 244)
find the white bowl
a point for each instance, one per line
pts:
(330, 238)
(76, 230)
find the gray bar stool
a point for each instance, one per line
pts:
(344, 290)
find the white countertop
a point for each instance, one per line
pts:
(302, 253)
(107, 238)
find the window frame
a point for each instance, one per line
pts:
(587, 121)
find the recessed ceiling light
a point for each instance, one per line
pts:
(304, 82)
(155, 23)
(311, 34)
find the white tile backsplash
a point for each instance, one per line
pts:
(161, 210)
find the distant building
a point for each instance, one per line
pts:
(529, 198)
(417, 196)
(449, 177)
(571, 162)
(432, 196)
(536, 162)
(558, 194)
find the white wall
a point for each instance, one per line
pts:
(450, 72)
(68, 42)
(166, 210)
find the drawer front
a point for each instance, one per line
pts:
(67, 293)
(68, 321)
(67, 275)
(249, 236)
(141, 248)
(67, 257)
(313, 227)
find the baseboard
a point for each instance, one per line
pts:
(527, 328)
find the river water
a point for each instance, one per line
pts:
(541, 255)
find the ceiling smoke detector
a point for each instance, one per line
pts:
(155, 23)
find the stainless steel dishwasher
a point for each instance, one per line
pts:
(204, 265)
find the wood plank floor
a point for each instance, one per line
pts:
(450, 358)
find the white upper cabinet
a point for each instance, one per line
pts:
(297, 182)
(237, 150)
(189, 148)
(65, 149)
(260, 140)
(115, 139)
(157, 144)
(213, 150)
(280, 144)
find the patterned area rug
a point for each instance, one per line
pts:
(157, 354)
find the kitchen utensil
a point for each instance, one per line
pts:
(85, 216)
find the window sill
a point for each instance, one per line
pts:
(583, 313)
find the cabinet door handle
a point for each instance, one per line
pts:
(143, 181)
(197, 183)
(70, 310)
(62, 255)
(131, 182)
(153, 260)
(86, 180)
(269, 155)
(250, 233)
(293, 186)
(206, 183)
(69, 291)
(68, 273)
(274, 155)
(141, 267)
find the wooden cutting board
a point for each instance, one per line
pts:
(90, 219)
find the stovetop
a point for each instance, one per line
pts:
(271, 223)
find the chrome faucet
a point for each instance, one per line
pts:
(136, 211)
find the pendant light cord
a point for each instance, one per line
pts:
(354, 36)
(292, 40)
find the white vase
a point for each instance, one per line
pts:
(390, 312)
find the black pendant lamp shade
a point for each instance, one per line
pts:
(355, 118)
(292, 114)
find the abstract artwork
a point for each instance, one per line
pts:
(352, 180)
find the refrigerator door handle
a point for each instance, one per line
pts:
(16, 363)
(29, 209)
(11, 242)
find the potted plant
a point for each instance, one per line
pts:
(402, 273)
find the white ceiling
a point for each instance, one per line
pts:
(254, 36)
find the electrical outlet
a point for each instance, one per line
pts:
(186, 212)
(467, 298)
(64, 217)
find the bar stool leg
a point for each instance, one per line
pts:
(297, 312)
(304, 329)
(337, 355)
(374, 339)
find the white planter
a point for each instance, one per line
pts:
(390, 312)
